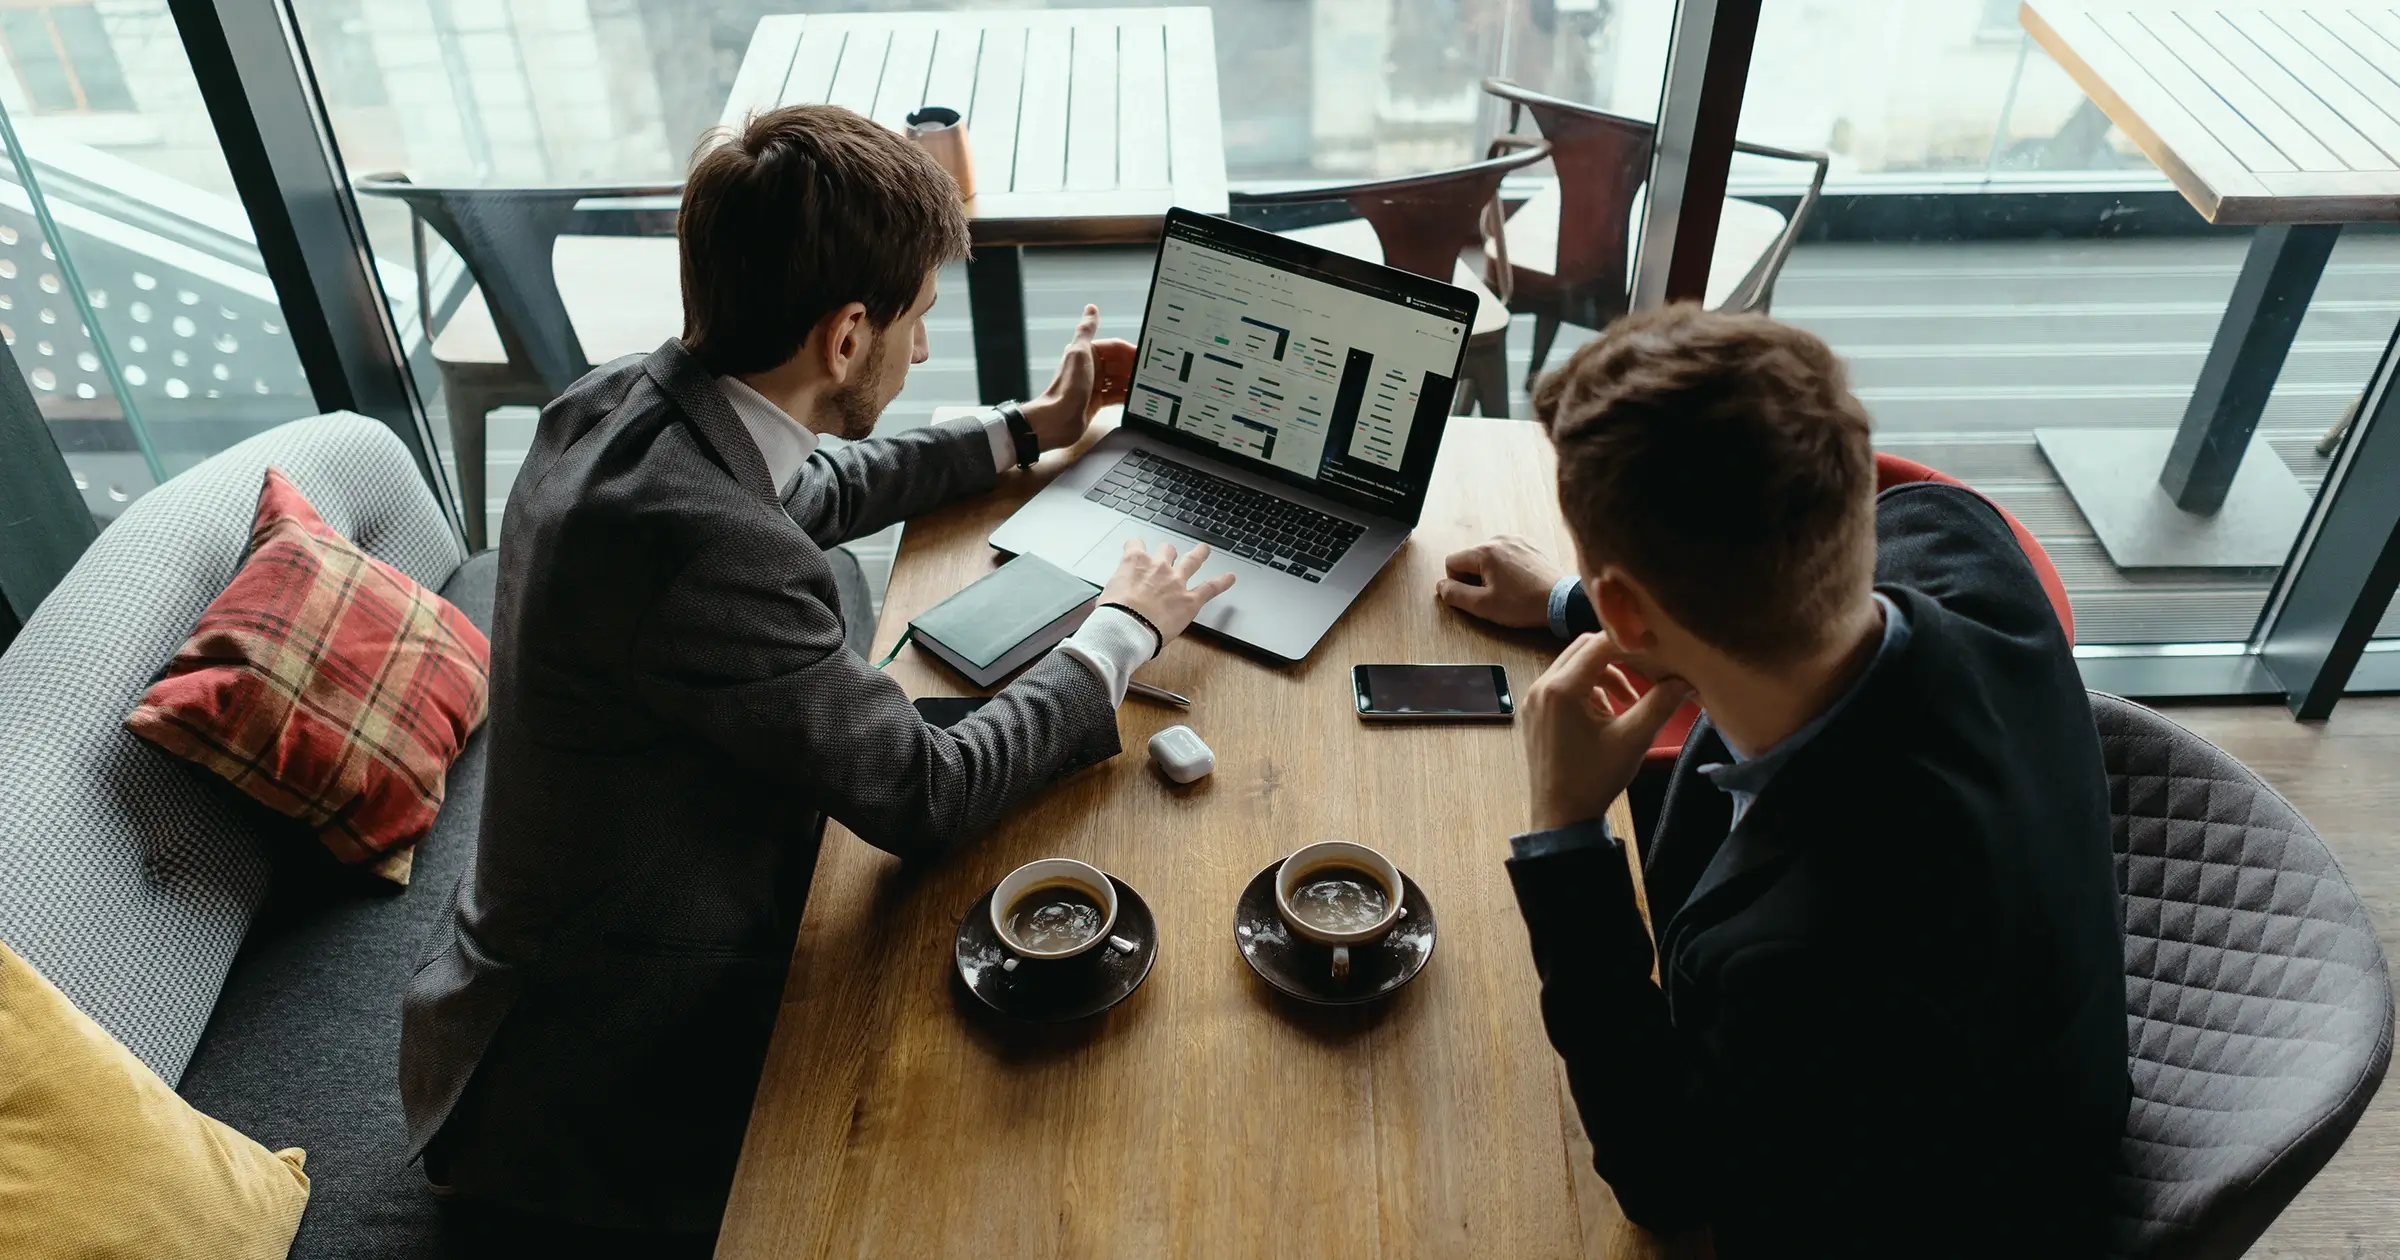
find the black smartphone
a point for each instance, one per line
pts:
(948, 710)
(1432, 693)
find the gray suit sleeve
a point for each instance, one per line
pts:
(753, 660)
(866, 486)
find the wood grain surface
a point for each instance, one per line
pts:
(2260, 111)
(1206, 1116)
(1085, 125)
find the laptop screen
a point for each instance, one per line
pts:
(1323, 369)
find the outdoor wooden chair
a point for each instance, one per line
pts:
(1569, 249)
(559, 286)
(1433, 224)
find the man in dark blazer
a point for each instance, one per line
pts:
(1888, 1016)
(673, 709)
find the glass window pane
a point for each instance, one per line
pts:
(172, 346)
(598, 92)
(2014, 285)
(91, 58)
(34, 54)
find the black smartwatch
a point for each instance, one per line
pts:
(1029, 447)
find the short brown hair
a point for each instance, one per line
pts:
(1722, 461)
(809, 208)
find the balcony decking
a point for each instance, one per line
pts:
(1959, 349)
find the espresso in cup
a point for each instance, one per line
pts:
(1339, 894)
(1340, 898)
(1056, 916)
(1052, 909)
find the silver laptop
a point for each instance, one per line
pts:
(1286, 406)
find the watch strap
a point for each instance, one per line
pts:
(1029, 447)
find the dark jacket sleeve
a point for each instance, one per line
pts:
(1657, 1094)
(752, 658)
(1608, 1021)
(866, 486)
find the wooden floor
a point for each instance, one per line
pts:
(2344, 775)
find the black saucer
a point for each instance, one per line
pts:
(1303, 968)
(1068, 988)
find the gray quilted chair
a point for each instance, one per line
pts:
(2258, 1003)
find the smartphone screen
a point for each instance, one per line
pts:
(1432, 691)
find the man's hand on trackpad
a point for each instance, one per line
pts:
(1159, 586)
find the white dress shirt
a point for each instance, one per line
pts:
(1110, 643)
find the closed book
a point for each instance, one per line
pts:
(1005, 619)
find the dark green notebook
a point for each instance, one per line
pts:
(1005, 619)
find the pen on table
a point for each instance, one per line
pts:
(1160, 694)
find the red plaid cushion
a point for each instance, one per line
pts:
(326, 684)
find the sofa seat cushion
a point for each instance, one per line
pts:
(304, 1046)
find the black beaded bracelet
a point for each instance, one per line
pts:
(1152, 626)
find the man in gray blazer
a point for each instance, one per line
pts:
(673, 709)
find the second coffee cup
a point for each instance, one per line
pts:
(1054, 909)
(1339, 894)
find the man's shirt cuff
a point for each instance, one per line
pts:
(1591, 833)
(1112, 645)
(1560, 596)
(995, 431)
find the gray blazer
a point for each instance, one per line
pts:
(672, 714)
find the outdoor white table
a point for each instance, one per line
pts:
(2279, 113)
(1085, 126)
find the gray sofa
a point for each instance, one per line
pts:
(209, 935)
(214, 938)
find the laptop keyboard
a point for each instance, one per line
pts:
(1226, 515)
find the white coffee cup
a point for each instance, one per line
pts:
(1298, 870)
(1081, 876)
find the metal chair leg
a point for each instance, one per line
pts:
(1545, 334)
(468, 408)
(2333, 436)
(1487, 371)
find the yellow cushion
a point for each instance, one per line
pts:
(99, 1159)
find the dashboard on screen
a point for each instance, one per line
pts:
(1313, 370)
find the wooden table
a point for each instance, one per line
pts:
(2280, 113)
(1206, 1116)
(1085, 126)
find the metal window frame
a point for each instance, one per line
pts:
(261, 91)
(2322, 611)
(1700, 107)
(46, 526)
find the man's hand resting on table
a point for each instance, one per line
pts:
(1091, 375)
(1585, 731)
(1506, 581)
(1160, 586)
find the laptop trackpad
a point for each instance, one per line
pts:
(1100, 563)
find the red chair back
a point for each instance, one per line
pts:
(1890, 470)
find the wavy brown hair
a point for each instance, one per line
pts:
(803, 211)
(1724, 463)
